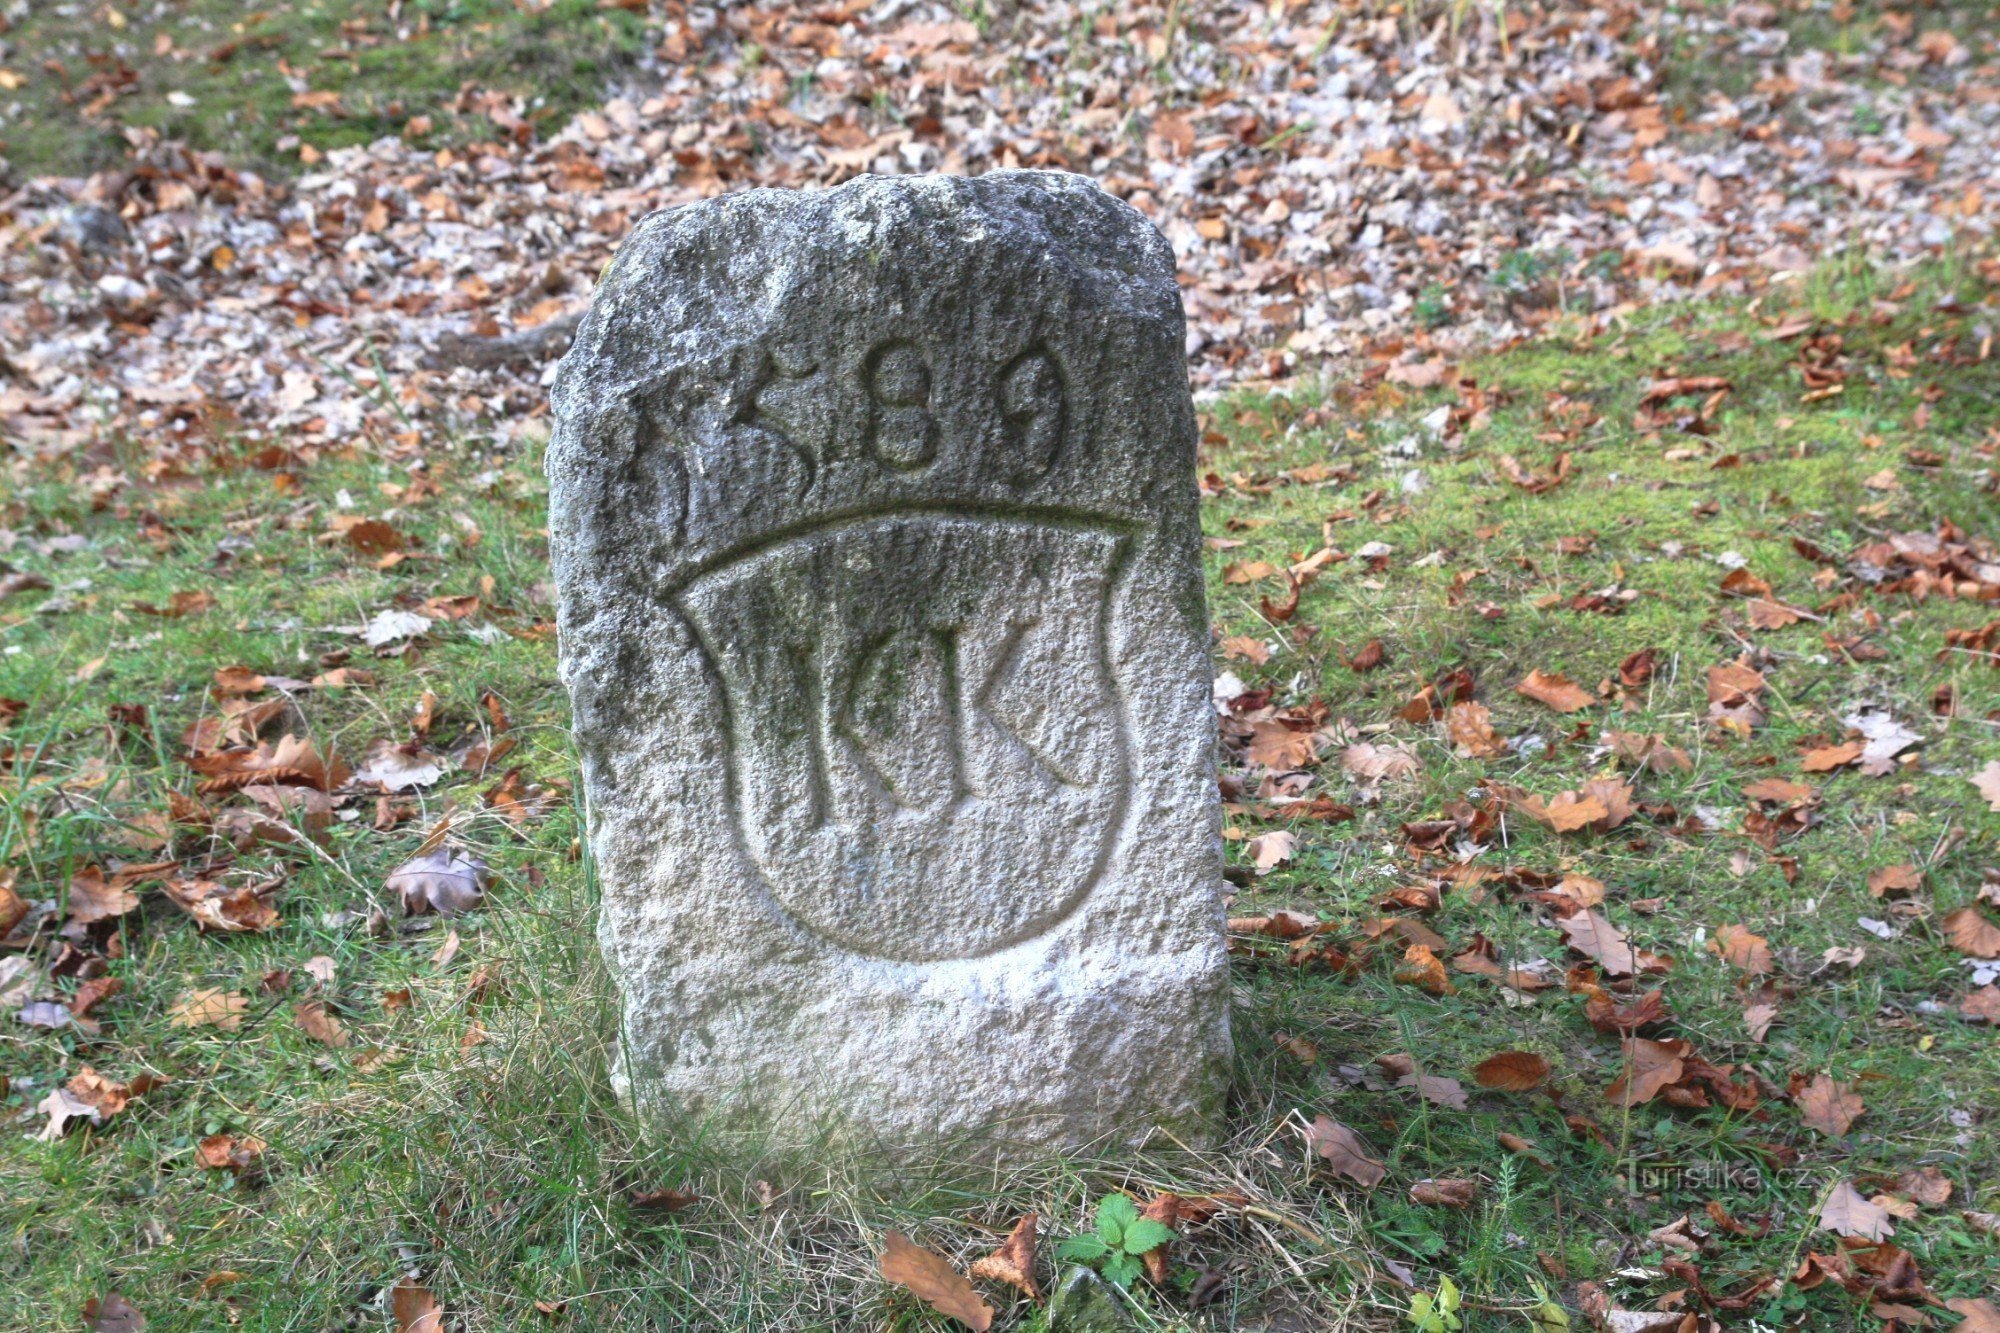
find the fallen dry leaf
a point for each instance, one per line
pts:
(1570, 811)
(1535, 482)
(1243, 648)
(1424, 969)
(90, 1096)
(1302, 1050)
(93, 993)
(1927, 1185)
(1370, 656)
(61, 1107)
(1447, 1193)
(292, 760)
(1270, 850)
(1436, 1089)
(1283, 924)
(516, 799)
(1345, 1152)
(1511, 1071)
(1884, 738)
(237, 680)
(1014, 1262)
(1981, 1314)
(218, 1009)
(307, 807)
(1757, 1020)
(1555, 690)
(45, 1014)
(371, 536)
(318, 1023)
(1895, 879)
(1847, 1213)
(1368, 763)
(1280, 748)
(1591, 935)
(441, 881)
(414, 1308)
(1743, 950)
(1827, 1106)
(1164, 1208)
(1983, 1005)
(13, 908)
(1766, 614)
(935, 1282)
(663, 1200)
(228, 1152)
(113, 1314)
(93, 898)
(1248, 571)
(1735, 696)
(1779, 791)
(1650, 1067)
(243, 909)
(1827, 758)
(1469, 726)
(245, 829)
(1987, 780)
(1648, 753)
(398, 767)
(1971, 933)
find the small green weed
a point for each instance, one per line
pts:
(1121, 1238)
(1439, 1313)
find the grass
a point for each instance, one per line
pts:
(258, 84)
(1656, 524)
(469, 1134)
(1699, 65)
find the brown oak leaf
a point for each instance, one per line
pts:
(1847, 1213)
(1827, 1106)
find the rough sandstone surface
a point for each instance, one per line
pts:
(874, 526)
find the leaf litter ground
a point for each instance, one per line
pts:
(1607, 717)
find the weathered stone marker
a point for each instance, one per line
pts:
(874, 525)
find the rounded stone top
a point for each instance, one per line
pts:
(773, 358)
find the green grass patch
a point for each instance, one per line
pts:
(468, 1132)
(256, 84)
(1699, 64)
(1659, 516)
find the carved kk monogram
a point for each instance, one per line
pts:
(915, 696)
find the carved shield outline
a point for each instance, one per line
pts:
(1118, 811)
